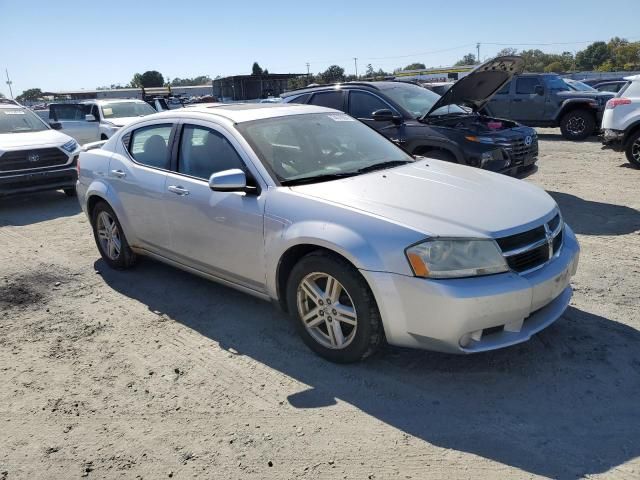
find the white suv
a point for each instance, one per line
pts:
(621, 121)
(95, 120)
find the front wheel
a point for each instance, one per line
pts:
(335, 312)
(110, 239)
(633, 149)
(577, 124)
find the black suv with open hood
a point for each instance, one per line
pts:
(447, 127)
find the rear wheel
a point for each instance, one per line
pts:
(335, 312)
(110, 239)
(633, 149)
(577, 124)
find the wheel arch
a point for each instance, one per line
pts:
(630, 132)
(572, 105)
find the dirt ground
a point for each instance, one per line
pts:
(155, 373)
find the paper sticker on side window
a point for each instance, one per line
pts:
(106, 111)
(341, 117)
(14, 112)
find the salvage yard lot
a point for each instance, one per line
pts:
(157, 373)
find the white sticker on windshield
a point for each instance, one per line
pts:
(341, 117)
(14, 112)
(106, 111)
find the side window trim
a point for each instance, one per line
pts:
(391, 107)
(127, 139)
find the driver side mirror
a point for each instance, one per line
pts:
(233, 180)
(539, 90)
(386, 115)
(90, 118)
(55, 125)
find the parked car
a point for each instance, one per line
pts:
(355, 238)
(437, 87)
(578, 86)
(94, 120)
(621, 121)
(546, 100)
(447, 127)
(33, 156)
(613, 86)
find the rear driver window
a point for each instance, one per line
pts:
(150, 145)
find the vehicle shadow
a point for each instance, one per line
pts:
(596, 218)
(20, 210)
(563, 405)
(557, 137)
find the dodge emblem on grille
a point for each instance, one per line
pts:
(549, 235)
(33, 157)
(528, 140)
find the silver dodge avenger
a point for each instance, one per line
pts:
(356, 239)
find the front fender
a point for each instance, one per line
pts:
(587, 104)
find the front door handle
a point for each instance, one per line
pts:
(118, 173)
(178, 190)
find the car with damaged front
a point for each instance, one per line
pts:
(356, 239)
(446, 127)
(33, 156)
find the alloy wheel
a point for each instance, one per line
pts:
(576, 125)
(635, 150)
(108, 235)
(326, 310)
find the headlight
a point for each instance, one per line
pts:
(456, 258)
(487, 140)
(70, 146)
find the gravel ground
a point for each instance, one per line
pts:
(154, 373)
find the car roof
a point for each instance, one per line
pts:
(633, 78)
(11, 106)
(338, 86)
(114, 100)
(246, 112)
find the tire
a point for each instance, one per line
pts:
(440, 155)
(577, 124)
(70, 192)
(352, 297)
(102, 218)
(632, 151)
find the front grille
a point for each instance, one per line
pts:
(30, 159)
(519, 150)
(531, 249)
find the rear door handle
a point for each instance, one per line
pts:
(118, 173)
(178, 190)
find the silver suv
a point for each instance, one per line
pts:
(312, 209)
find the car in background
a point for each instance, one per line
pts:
(578, 86)
(437, 87)
(546, 100)
(271, 100)
(309, 208)
(621, 121)
(93, 120)
(613, 86)
(446, 127)
(33, 156)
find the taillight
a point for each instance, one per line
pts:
(614, 102)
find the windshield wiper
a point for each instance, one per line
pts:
(317, 178)
(383, 165)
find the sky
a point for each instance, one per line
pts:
(73, 44)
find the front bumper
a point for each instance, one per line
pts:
(38, 180)
(474, 314)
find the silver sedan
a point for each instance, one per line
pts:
(356, 239)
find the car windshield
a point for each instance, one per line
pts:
(319, 146)
(126, 109)
(20, 120)
(417, 100)
(558, 84)
(579, 86)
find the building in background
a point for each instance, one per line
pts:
(441, 74)
(252, 87)
(139, 93)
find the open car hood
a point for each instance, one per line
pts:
(476, 89)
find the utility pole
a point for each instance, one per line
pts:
(9, 82)
(307, 69)
(478, 47)
(355, 62)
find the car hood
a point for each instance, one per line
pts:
(583, 94)
(44, 138)
(476, 89)
(121, 122)
(441, 199)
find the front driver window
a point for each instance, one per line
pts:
(362, 105)
(204, 151)
(149, 145)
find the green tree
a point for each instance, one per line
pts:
(554, 67)
(505, 52)
(136, 81)
(369, 72)
(468, 59)
(188, 82)
(256, 69)
(30, 94)
(152, 78)
(593, 56)
(332, 74)
(415, 66)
